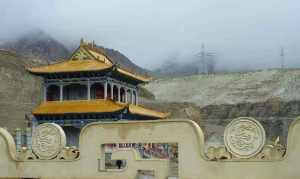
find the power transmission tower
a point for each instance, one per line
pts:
(203, 59)
(206, 63)
(282, 55)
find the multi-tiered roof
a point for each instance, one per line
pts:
(88, 58)
(89, 61)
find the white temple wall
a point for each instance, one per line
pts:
(192, 162)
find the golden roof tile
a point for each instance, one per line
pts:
(71, 66)
(75, 107)
(93, 106)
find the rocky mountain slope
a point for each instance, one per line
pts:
(39, 45)
(19, 90)
(231, 88)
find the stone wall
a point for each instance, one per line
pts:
(193, 163)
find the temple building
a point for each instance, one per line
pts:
(89, 87)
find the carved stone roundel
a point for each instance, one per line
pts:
(244, 137)
(48, 140)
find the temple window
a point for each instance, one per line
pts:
(123, 95)
(53, 92)
(115, 93)
(97, 91)
(75, 92)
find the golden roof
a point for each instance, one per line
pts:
(92, 106)
(86, 58)
(75, 107)
(71, 66)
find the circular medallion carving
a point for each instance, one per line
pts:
(48, 140)
(244, 137)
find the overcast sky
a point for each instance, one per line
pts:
(246, 33)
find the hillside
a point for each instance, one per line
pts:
(231, 88)
(19, 91)
(39, 45)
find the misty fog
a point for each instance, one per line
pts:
(242, 34)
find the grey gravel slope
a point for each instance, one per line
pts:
(229, 88)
